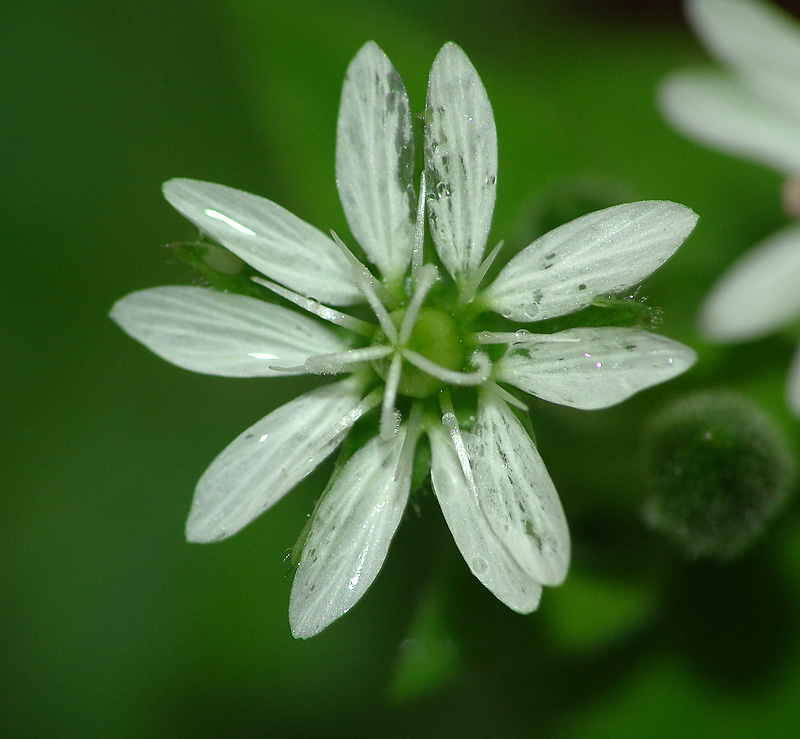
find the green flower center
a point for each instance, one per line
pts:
(435, 337)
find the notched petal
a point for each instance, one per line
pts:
(375, 160)
(268, 237)
(265, 462)
(350, 535)
(220, 333)
(484, 551)
(591, 368)
(515, 493)
(460, 161)
(604, 252)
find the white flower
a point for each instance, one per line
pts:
(495, 493)
(751, 109)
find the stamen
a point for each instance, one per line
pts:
(366, 284)
(427, 276)
(366, 405)
(389, 416)
(452, 377)
(419, 232)
(318, 309)
(352, 258)
(369, 287)
(471, 287)
(414, 429)
(505, 395)
(519, 337)
(450, 422)
(359, 269)
(295, 369)
(337, 362)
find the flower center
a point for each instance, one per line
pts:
(436, 337)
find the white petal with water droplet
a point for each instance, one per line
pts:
(593, 368)
(483, 551)
(375, 160)
(460, 161)
(268, 237)
(219, 333)
(515, 493)
(265, 462)
(350, 534)
(603, 252)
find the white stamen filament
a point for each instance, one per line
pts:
(360, 268)
(366, 283)
(519, 337)
(406, 461)
(452, 377)
(336, 362)
(366, 405)
(505, 395)
(450, 422)
(318, 309)
(419, 232)
(389, 415)
(471, 286)
(427, 276)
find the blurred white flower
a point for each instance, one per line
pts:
(751, 109)
(423, 339)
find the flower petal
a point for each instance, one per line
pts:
(603, 252)
(515, 493)
(265, 462)
(762, 43)
(483, 551)
(375, 160)
(793, 385)
(759, 293)
(221, 334)
(460, 161)
(748, 35)
(268, 237)
(728, 115)
(350, 534)
(593, 368)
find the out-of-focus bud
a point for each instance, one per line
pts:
(718, 470)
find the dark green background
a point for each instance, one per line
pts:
(112, 625)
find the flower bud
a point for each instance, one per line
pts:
(719, 470)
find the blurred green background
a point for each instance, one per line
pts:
(112, 625)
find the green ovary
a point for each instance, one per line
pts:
(436, 337)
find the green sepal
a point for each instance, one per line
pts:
(222, 269)
(422, 465)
